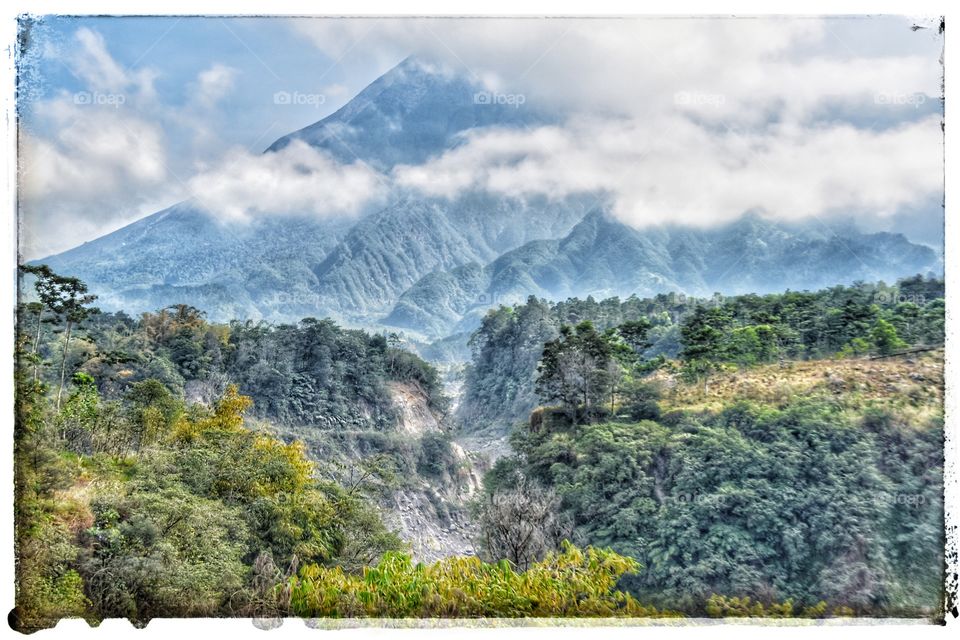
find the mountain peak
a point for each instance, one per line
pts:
(412, 112)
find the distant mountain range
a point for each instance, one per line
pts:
(433, 266)
(602, 257)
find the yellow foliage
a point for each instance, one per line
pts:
(724, 607)
(570, 583)
(297, 469)
(227, 417)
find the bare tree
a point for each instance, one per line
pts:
(522, 524)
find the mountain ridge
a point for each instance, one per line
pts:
(433, 265)
(605, 258)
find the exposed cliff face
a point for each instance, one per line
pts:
(415, 416)
(434, 515)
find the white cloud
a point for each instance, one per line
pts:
(681, 120)
(298, 180)
(214, 84)
(674, 171)
(685, 120)
(101, 170)
(95, 151)
(94, 64)
(761, 67)
(95, 160)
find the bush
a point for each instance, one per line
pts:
(571, 583)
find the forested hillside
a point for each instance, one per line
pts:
(791, 452)
(737, 456)
(148, 483)
(806, 501)
(313, 373)
(500, 389)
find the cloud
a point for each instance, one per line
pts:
(760, 68)
(214, 84)
(692, 120)
(95, 65)
(675, 171)
(684, 120)
(92, 63)
(95, 150)
(96, 159)
(298, 180)
(92, 160)
(101, 169)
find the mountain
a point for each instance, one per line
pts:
(603, 258)
(434, 265)
(388, 252)
(182, 255)
(407, 115)
(283, 267)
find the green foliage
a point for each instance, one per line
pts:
(571, 583)
(706, 334)
(162, 553)
(579, 370)
(313, 374)
(174, 530)
(154, 411)
(885, 337)
(724, 607)
(798, 502)
(436, 456)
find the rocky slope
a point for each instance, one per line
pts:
(434, 516)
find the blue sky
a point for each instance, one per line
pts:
(121, 117)
(268, 55)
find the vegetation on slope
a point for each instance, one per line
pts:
(568, 583)
(784, 486)
(133, 501)
(781, 480)
(707, 335)
(800, 503)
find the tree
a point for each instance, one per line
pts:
(634, 334)
(522, 524)
(884, 336)
(154, 412)
(70, 300)
(78, 419)
(46, 286)
(705, 340)
(578, 369)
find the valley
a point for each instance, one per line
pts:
(491, 336)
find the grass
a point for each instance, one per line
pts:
(910, 385)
